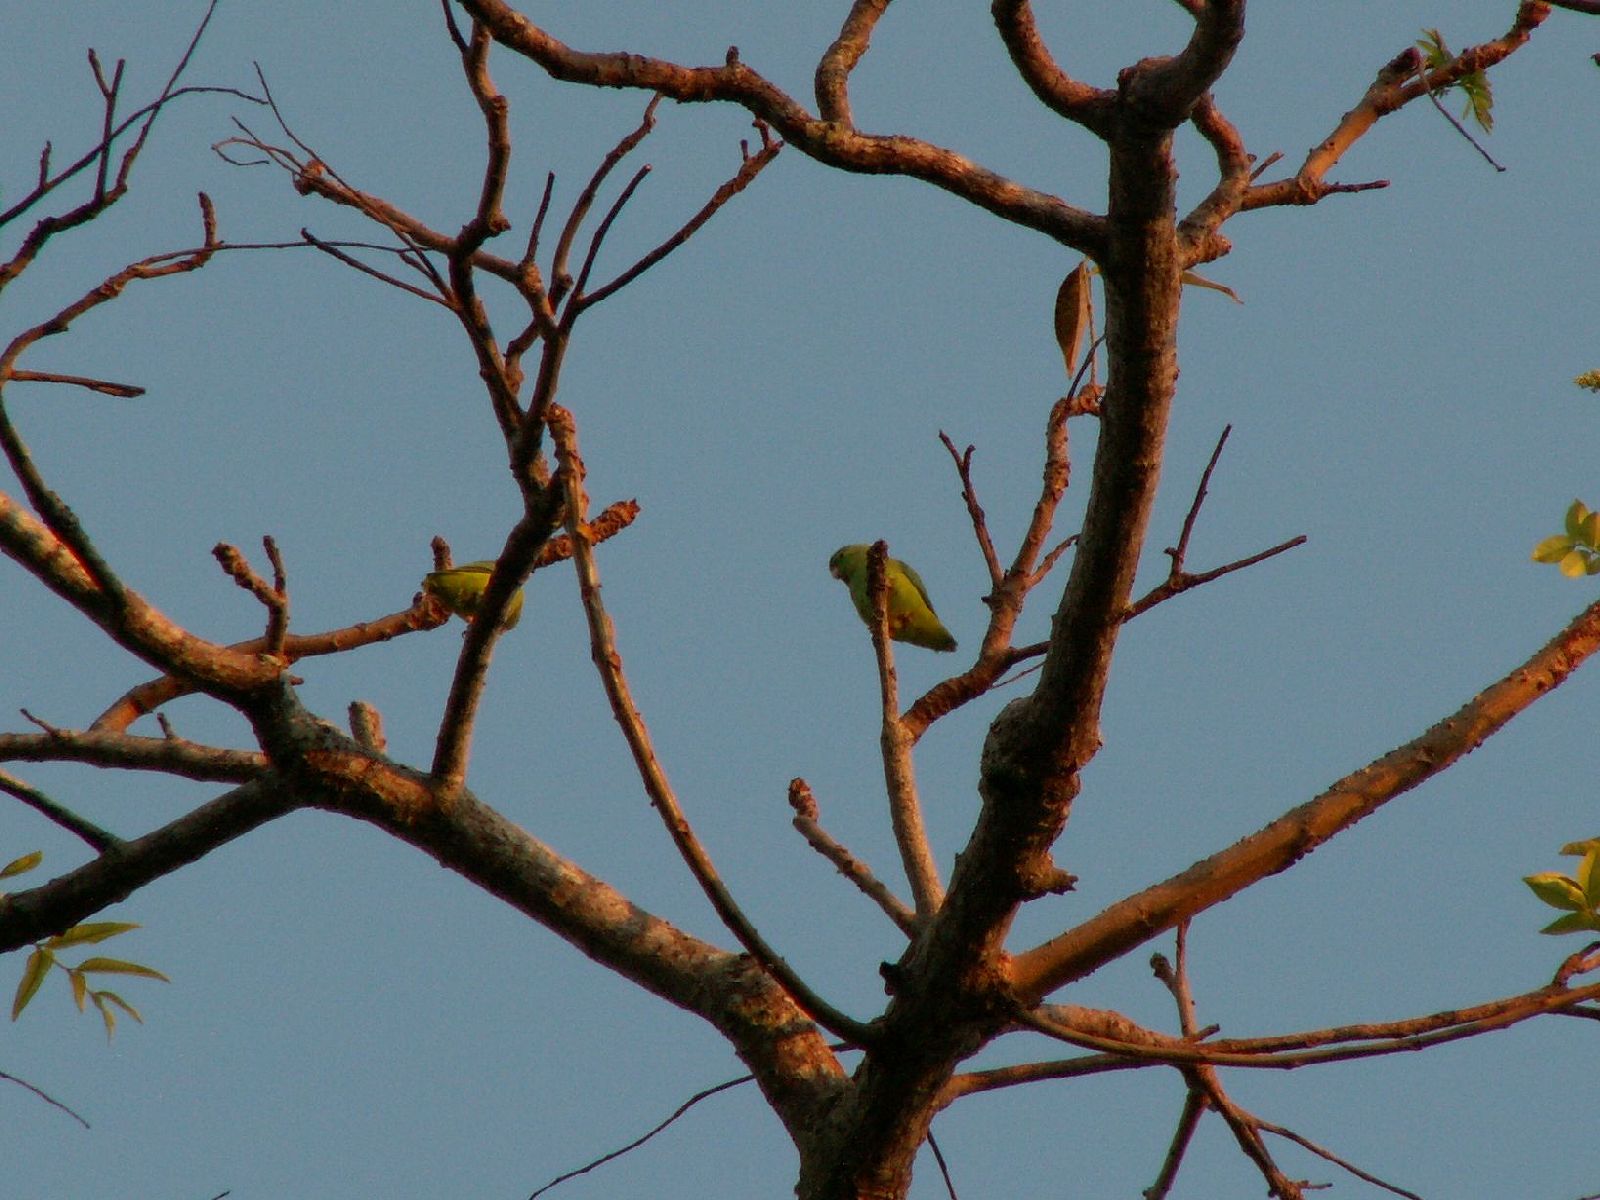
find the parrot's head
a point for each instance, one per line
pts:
(847, 560)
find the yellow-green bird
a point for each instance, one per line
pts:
(911, 615)
(460, 589)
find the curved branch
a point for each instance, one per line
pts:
(832, 83)
(1090, 107)
(1139, 917)
(1165, 91)
(826, 141)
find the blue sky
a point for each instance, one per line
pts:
(347, 1020)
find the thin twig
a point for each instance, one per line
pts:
(98, 839)
(332, 250)
(1322, 1152)
(980, 522)
(599, 237)
(123, 391)
(560, 279)
(1422, 74)
(43, 1095)
(1199, 499)
(751, 166)
(1182, 582)
(944, 1167)
(274, 596)
(1194, 1107)
(852, 868)
(608, 661)
(639, 1141)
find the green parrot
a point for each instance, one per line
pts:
(911, 615)
(461, 588)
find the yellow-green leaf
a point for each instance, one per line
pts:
(1434, 51)
(80, 987)
(1579, 849)
(1556, 890)
(1589, 878)
(1552, 549)
(1571, 923)
(113, 998)
(117, 966)
(1576, 512)
(1589, 530)
(1575, 564)
(110, 1018)
(18, 865)
(90, 931)
(39, 964)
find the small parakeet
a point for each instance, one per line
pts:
(911, 615)
(461, 588)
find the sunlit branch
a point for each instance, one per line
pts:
(168, 755)
(827, 141)
(809, 825)
(608, 662)
(896, 744)
(1162, 906)
(1400, 81)
(832, 79)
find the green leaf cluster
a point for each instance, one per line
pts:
(1475, 87)
(43, 958)
(1577, 896)
(1577, 550)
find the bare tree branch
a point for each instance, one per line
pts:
(1088, 106)
(123, 391)
(97, 839)
(832, 81)
(168, 755)
(1162, 906)
(821, 139)
(807, 822)
(45, 1096)
(609, 663)
(895, 744)
(68, 899)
